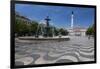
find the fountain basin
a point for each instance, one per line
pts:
(63, 38)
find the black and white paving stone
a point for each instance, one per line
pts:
(77, 49)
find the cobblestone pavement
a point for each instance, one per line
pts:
(77, 49)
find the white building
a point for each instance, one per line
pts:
(77, 31)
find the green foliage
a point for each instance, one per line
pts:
(63, 31)
(33, 27)
(21, 28)
(90, 30)
(56, 31)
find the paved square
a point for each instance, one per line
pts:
(77, 49)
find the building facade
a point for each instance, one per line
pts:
(77, 31)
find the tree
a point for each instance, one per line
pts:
(63, 31)
(21, 28)
(24, 26)
(90, 30)
(33, 27)
(56, 31)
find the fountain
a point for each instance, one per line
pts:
(45, 32)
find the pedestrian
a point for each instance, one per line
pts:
(89, 37)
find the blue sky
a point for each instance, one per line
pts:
(60, 15)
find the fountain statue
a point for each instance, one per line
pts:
(47, 26)
(45, 29)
